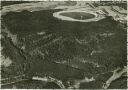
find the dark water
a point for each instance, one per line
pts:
(27, 23)
(78, 15)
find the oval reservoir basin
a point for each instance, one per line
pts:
(78, 15)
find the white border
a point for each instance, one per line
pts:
(63, 0)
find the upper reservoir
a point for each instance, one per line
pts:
(78, 15)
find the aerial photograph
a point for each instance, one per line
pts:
(49, 44)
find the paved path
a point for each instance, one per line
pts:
(6, 81)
